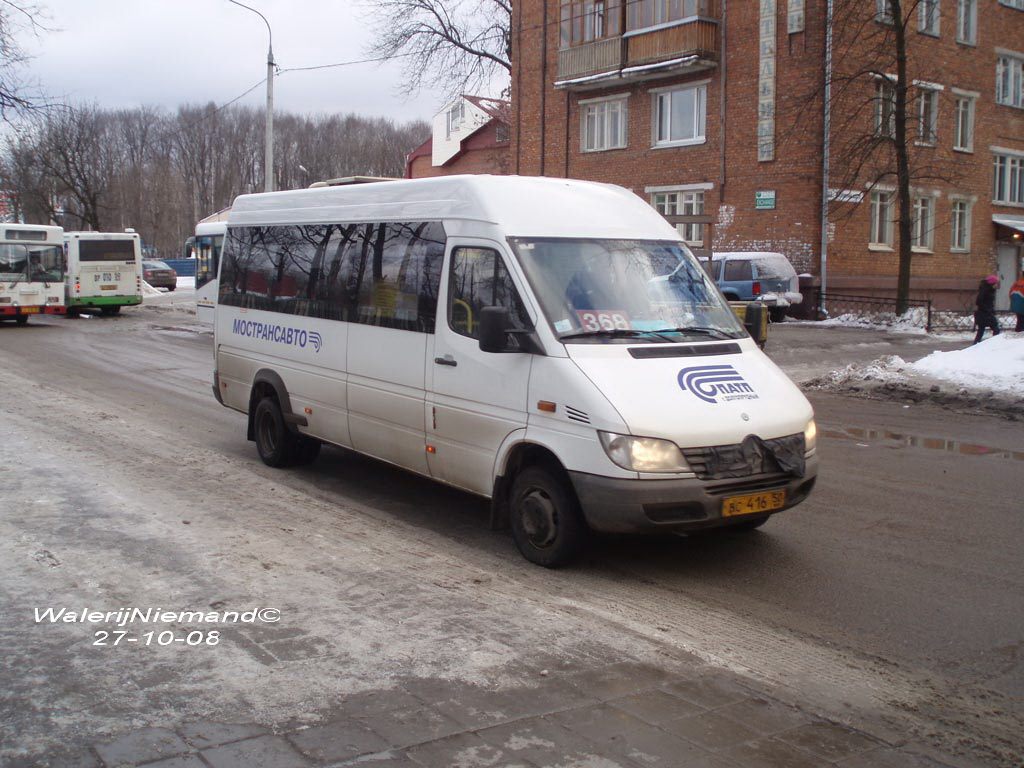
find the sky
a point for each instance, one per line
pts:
(128, 53)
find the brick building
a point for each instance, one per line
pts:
(470, 135)
(715, 113)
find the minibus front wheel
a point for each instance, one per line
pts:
(547, 525)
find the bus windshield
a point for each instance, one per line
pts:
(21, 263)
(624, 290)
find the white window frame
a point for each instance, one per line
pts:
(967, 21)
(927, 116)
(885, 96)
(604, 114)
(883, 234)
(454, 118)
(922, 223)
(1008, 181)
(883, 12)
(1018, 4)
(665, 95)
(963, 120)
(687, 200)
(960, 230)
(1010, 78)
(928, 17)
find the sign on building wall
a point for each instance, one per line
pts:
(766, 84)
(764, 200)
(795, 16)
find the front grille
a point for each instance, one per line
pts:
(780, 456)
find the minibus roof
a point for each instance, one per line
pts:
(522, 206)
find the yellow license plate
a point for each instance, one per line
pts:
(108, 287)
(753, 503)
(30, 310)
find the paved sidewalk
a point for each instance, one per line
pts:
(624, 714)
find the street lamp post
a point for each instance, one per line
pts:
(268, 163)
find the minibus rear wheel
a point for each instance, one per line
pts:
(276, 445)
(547, 525)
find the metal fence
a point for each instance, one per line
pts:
(920, 313)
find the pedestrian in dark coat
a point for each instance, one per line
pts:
(985, 313)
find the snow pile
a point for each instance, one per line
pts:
(149, 290)
(996, 364)
(912, 321)
(888, 369)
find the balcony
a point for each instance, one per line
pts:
(680, 47)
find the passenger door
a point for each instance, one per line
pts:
(476, 399)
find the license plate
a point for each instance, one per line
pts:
(108, 287)
(30, 310)
(753, 503)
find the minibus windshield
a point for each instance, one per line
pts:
(626, 291)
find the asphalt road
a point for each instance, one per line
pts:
(893, 594)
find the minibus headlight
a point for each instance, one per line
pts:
(810, 436)
(643, 454)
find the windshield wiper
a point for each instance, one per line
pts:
(630, 333)
(699, 330)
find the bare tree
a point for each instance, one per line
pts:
(883, 117)
(455, 45)
(16, 18)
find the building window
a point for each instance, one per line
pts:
(1010, 80)
(922, 227)
(928, 17)
(885, 108)
(967, 21)
(583, 21)
(642, 14)
(963, 128)
(683, 203)
(1009, 179)
(882, 219)
(883, 11)
(680, 115)
(1019, 4)
(603, 125)
(455, 117)
(927, 115)
(961, 238)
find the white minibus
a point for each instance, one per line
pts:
(104, 271)
(549, 344)
(31, 271)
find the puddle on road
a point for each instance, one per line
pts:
(927, 443)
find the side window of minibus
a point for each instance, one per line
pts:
(478, 278)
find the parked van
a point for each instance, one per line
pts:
(761, 276)
(549, 344)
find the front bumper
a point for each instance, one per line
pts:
(613, 505)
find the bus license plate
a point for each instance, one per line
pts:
(29, 310)
(753, 503)
(108, 287)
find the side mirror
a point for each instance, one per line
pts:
(494, 325)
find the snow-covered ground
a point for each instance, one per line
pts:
(995, 365)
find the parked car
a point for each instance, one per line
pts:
(757, 276)
(159, 275)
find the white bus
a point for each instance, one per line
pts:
(31, 271)
(549, 344)
(206, 248)
(104, 271)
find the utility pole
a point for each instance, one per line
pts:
(268, 162)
